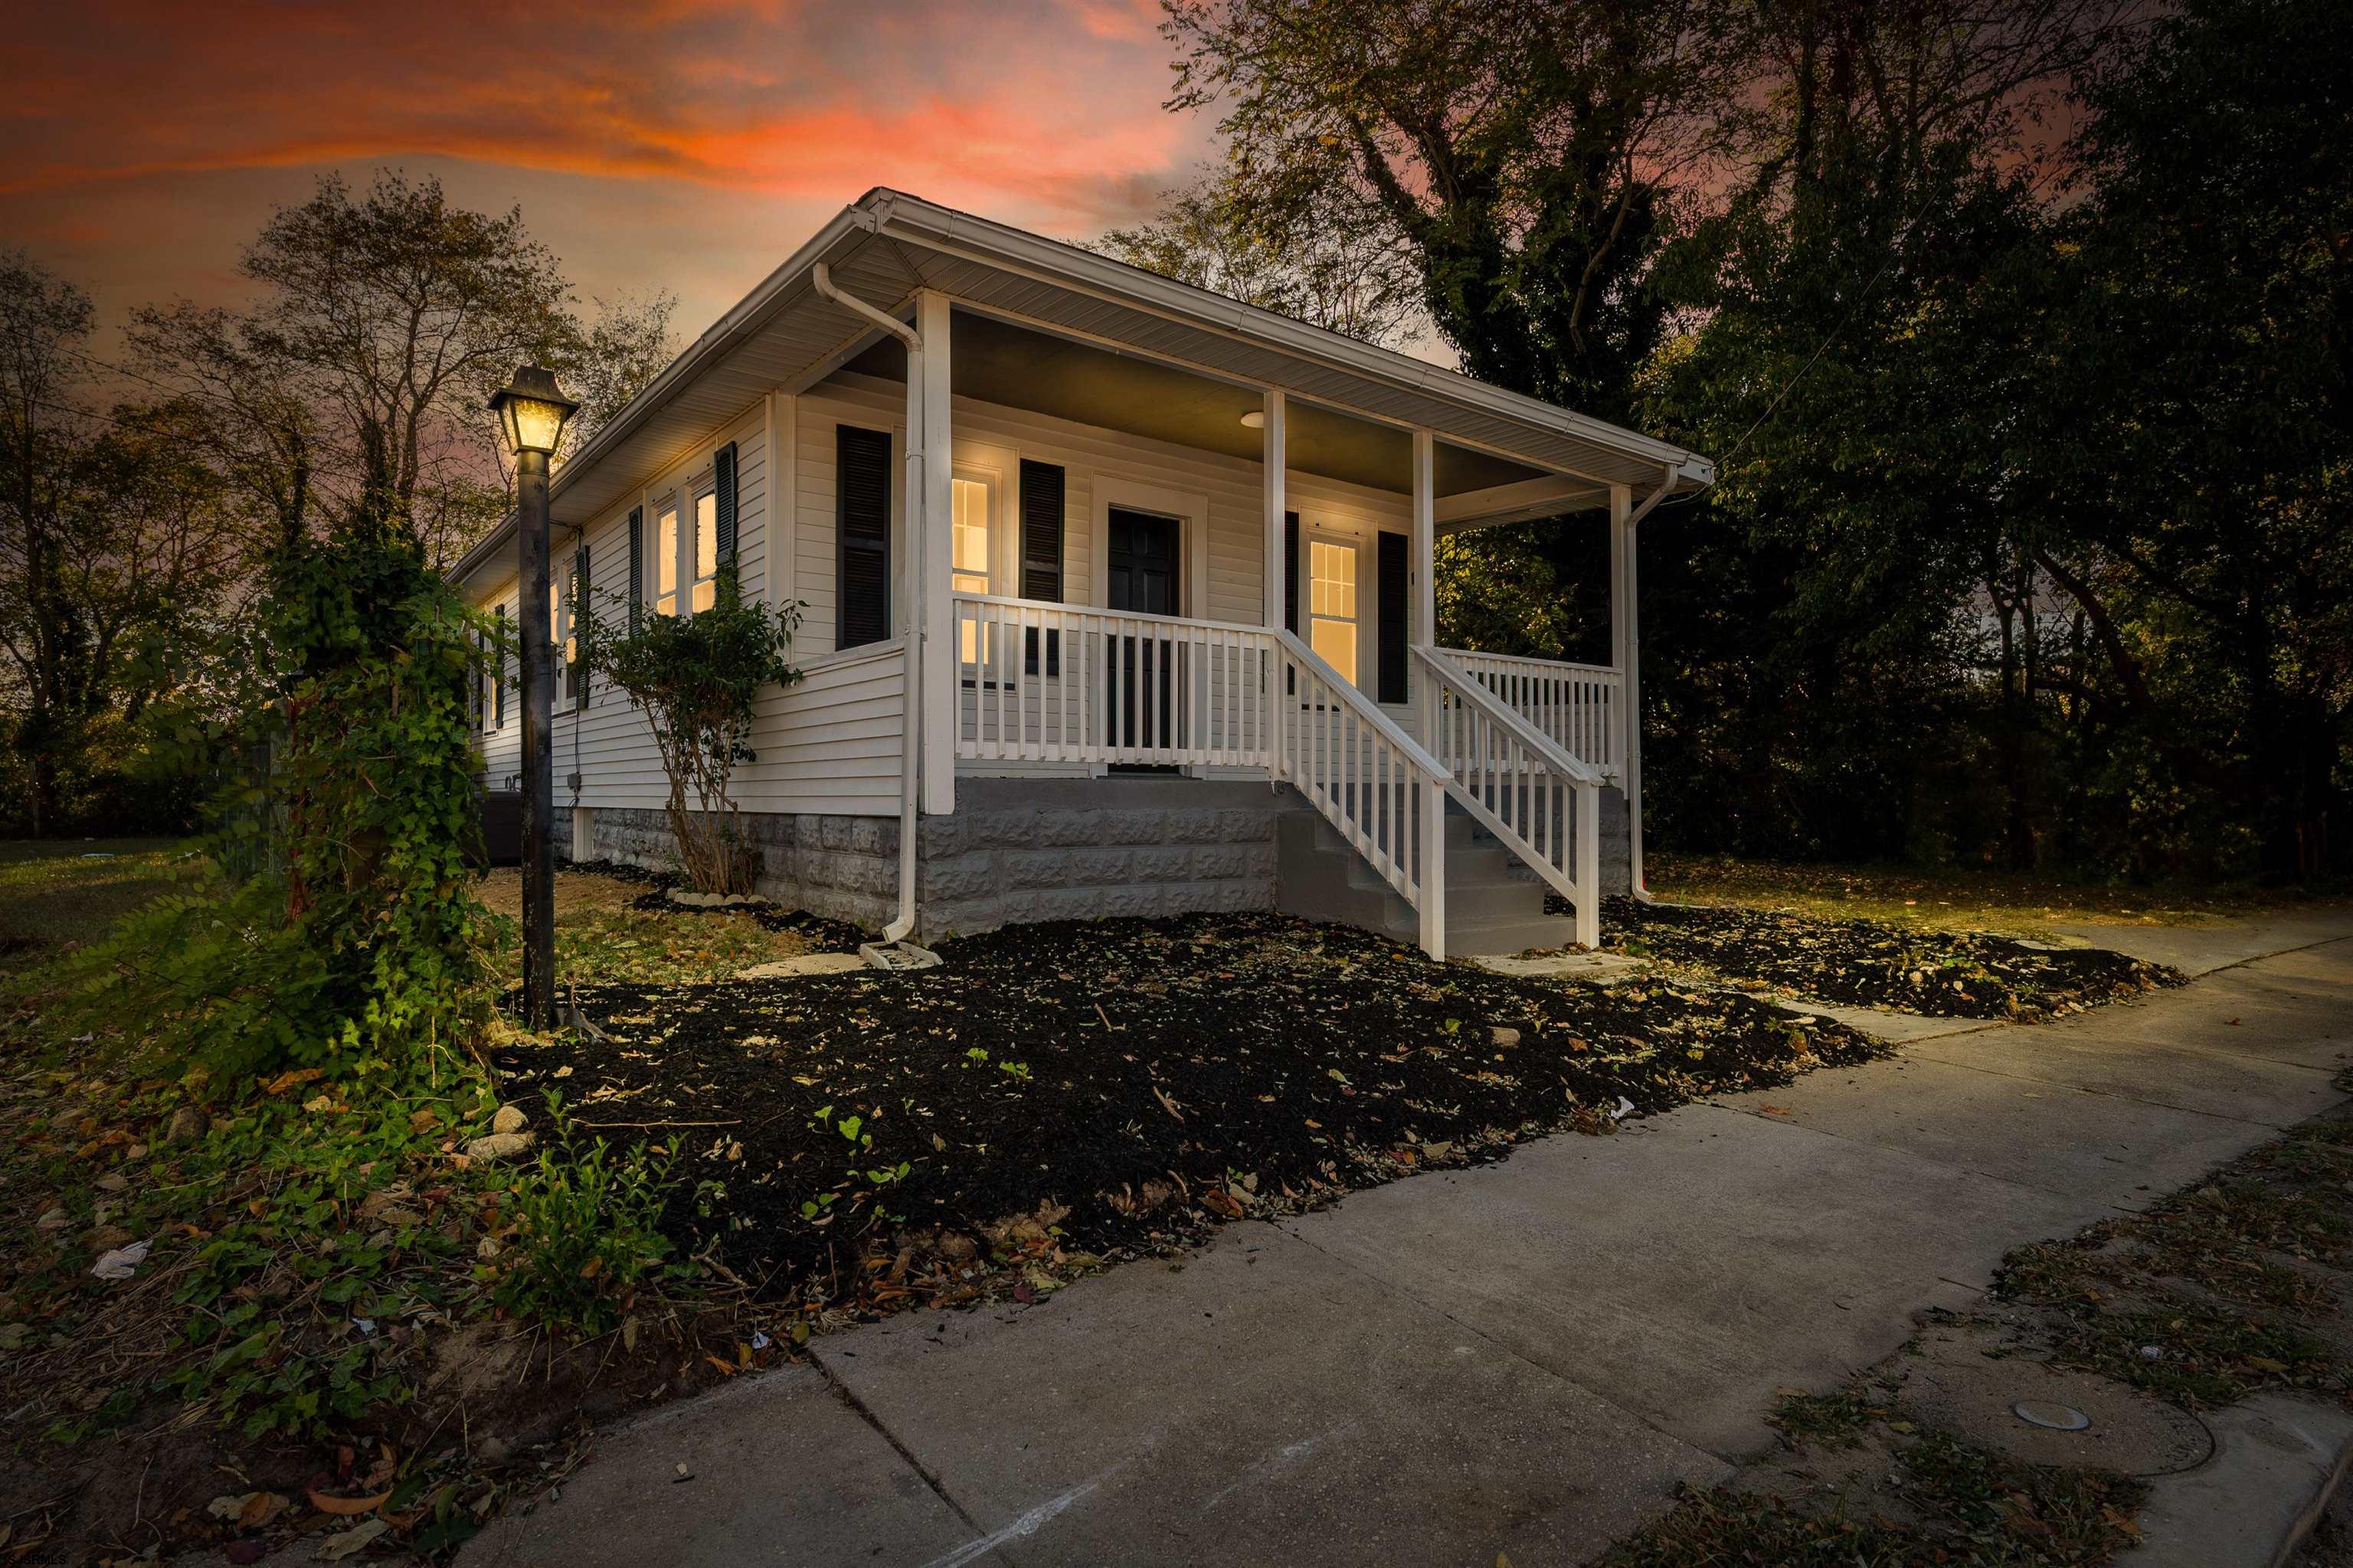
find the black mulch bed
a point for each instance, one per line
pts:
(1114, 1085)
(1947, 974)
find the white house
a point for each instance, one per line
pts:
(1117, 602)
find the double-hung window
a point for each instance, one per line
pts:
(701, 559)
(1332, 604)
(969, 562)
(666, 557)
(686, 558)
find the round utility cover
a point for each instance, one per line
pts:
(2058, 1417)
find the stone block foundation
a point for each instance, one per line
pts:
(1016, 850)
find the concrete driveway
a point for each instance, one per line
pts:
(1523, 1358)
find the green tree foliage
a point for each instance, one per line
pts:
(1517, 157)
(358, 945)
(2030, 542)
(116, 540)
(2187, 425)
(697, 679)
(1348, 278)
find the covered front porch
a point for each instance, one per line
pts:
(1177, 628)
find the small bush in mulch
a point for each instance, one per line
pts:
(1093, 1087)
(1946, 974)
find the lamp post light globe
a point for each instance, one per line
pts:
(531, 410)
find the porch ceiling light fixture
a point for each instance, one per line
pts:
(531, 410)
(1255, 419)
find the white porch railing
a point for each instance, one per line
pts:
(1049, 682)
(1543, 803)
(1576, 706)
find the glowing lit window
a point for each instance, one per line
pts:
(666, 561)
(1332, 605)
(969, 562)
(706, 549)
(565, 633)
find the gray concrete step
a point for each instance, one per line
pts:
(1489, 909)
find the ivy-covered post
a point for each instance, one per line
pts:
(531, 409)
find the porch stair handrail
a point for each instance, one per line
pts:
(1514, 781)
(1370, 780)
(1575, 704)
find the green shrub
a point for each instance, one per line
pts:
(588, 1231)
(697, 678)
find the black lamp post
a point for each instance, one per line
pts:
(531, 409)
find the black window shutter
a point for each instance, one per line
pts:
(1042, 493)
(1291, 584)
(862, 524)
(499, 677)
(1291, 571)
(583, 584)
(723, 482)
(637, 561)
(1390, 601)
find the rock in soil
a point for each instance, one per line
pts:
(500, 1145)
(508, 1119)
(187, 1122)
(804, 964)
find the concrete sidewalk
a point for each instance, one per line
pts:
(1523, 1358)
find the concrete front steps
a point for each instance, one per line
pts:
(1493, 905)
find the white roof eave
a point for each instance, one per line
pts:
(912, 220)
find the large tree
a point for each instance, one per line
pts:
(350, 390)
(1517, 156)
(115, 544)
(2192, 415)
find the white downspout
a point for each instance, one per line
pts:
(910, 775)
(1634, 694)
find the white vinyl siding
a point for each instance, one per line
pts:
(833, 744)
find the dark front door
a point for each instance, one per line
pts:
(1145, 562)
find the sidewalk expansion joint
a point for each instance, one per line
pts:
(842, 1391)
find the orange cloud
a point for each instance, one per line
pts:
(1052, 105)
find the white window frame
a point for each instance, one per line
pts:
(674, 503)
(1308, 539)
(1000, 572)
(690, 542)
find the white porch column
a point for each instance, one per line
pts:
(1273, 454)
(931, 518)
(1625, 649)
(1421, 620)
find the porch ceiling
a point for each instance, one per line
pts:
(995, 361)
(1352, 397)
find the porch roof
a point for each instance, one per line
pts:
(887, 245)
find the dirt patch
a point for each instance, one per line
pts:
(1945, 974)
(1122, 1083)
(615, 923)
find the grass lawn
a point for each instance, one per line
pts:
(610, 931)
(2235, 1284)
(2016, 903)
(55, 891)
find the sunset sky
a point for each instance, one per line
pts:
(685, 143)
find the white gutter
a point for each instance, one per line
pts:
(1634, 702)
(911, 767)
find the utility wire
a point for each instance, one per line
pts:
(1894, 249)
